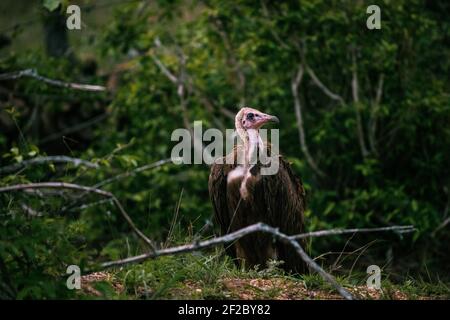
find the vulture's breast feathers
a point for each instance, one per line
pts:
(246, 177)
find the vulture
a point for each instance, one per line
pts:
(242, 196)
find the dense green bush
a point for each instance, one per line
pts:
(229, 54)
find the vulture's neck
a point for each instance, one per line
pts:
(251, 146)
(252, 142)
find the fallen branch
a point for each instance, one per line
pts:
(259, 227)
(331, 232)
(32, 73)
(53, 159)
(63, 185)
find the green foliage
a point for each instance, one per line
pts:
(34, 255)
(51, 5)
(233, 52)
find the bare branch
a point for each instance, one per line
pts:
(324, 88)
(206, 226)
(379, 89)
(355, 83)
(446, 210)
(272, 30)
(209, 105)
(355, 93)
(63, 185)
(258, 227)
(164, 69)
(41, 160)
(181, 91)
(30, 211)
(182, 85)
(75, 128)
(121, 176)
(321, 233)
(229, 114)
(232, 60)
(179, 81)
(32, 73)
(89, 205)
(176, 80)
(183, 82)
(374, 113)
(441, 226)
(302, 50)
(298, 113)
(133, 172)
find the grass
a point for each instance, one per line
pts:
(210, 274)
(214, 276)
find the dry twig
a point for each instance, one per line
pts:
(32, 73)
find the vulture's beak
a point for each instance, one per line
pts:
(261, 119)
(274, 119)
(265, 118)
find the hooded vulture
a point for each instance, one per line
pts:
(241, 195)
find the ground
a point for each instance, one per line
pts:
(203, 277)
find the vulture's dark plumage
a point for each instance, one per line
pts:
(241, 196)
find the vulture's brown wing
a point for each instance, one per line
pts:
(285, 200)
(217, 186)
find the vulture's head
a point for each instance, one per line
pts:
(248, 121)
(249, 118)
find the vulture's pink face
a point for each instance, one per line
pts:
(254, 119)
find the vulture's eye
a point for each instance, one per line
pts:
(250, 116)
